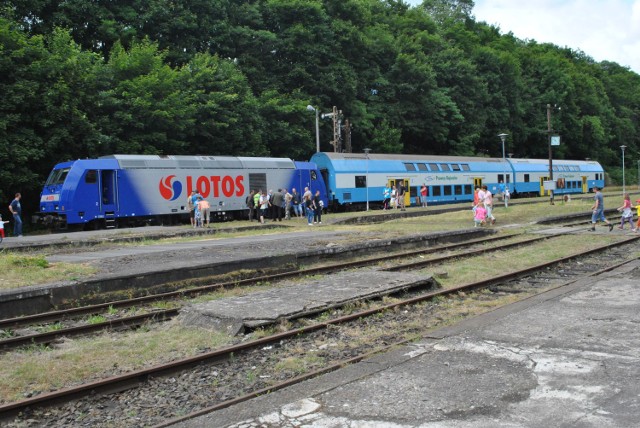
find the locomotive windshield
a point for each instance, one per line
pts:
(57, 176)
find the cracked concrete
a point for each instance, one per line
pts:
(570, 358)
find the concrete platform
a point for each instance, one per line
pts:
(569, 357)
(260, 309)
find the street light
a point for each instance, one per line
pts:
(623, 180)
(366, 153)
(312, 108)
(503, 137)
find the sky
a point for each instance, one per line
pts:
(605, 30)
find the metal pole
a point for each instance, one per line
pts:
(317, 130)
(623, 178)
(550, 153)
(366, 153)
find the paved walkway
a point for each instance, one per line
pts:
(569, 357)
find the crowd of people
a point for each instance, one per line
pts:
(263, 205)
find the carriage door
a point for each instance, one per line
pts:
(542, 189)
(477, 182)
(108, 196)
(585, 188)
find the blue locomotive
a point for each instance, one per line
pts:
(353, 179)
(133, 189)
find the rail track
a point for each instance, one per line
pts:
(13, 326)
(238, 357)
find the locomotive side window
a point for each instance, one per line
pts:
(361, 181)
(313, 174)
(91, 176)
(410, 167)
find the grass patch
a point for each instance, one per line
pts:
(24, 270)
(38, 369)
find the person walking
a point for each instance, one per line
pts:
(16, 210)
(627, 214)
(487, 200)
(598, 210)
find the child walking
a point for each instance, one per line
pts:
(479, 215)
(627, 214)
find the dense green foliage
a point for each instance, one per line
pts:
(87, 78)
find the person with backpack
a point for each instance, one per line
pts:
(251, 204)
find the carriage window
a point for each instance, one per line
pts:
(465, 167)
(555, 167)
(468, 189)
(447, 190)
(444, 167)
(361, 181)
(435, 191)
(457, 189)
(526, 178)
(91, 176)
(422, 167)
(410, 167)
(455, 167)
(434, 167)
(314, 175)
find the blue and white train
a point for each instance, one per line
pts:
(134, 189)
(356, 178)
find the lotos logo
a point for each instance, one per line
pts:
(167, 190)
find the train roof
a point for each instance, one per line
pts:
(542, 165)
(199, 162)
(400, 163)
(403, 157)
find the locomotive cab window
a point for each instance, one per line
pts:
(57, 176)
(410, 167)
(361, 181)
(91, 176)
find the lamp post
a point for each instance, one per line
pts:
(623, 180)
(503, 137)
(366, 153)
(312, 108)
(550, 153)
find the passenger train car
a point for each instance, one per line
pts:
(132, 189)
(354, 179)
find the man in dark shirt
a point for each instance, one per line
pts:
(16, 210)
